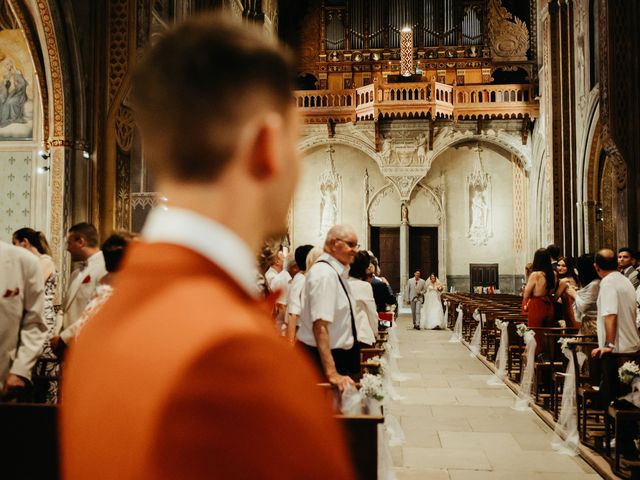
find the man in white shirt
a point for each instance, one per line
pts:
(414, 295)
(84, 247)
(274, 269)
(296, 288)
(616, 328)
(626, 265)
(327, 323)
(22, 328)
(280, 283)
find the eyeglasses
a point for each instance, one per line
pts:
(349, 244)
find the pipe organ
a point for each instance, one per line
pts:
(361, 40)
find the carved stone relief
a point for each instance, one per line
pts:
(330, 196)
(508, 35)
(478, 202)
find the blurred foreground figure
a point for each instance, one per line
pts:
(180, 375)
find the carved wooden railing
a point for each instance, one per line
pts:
(414, 100)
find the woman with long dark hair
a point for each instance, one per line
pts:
(585, 300)
(567, 277)
(46, 371)
(537, 300)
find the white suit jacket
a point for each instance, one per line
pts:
(22, 328)
(82, 287)
(413, 288)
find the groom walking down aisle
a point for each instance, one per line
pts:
(180, 374)
(414, 295)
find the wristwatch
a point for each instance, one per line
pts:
(610, 345)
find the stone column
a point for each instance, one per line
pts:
(404, 247)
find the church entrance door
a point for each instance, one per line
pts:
(385, 244)
(423, 251)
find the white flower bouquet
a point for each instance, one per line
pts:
(522, 329)
(565, 341)
(628, 371)
(372, 386)
(380, 361)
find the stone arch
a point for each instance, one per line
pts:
(47, 38)
(360, 144)
(499, 139)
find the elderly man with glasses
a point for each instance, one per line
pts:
(327, 323)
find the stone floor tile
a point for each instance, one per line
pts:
(445, 458)
(479, 440)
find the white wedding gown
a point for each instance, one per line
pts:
(432, 314)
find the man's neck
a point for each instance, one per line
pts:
(604, 273)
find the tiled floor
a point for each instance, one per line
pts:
(459, 428)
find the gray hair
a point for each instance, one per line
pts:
(313, 256)
(337, 232)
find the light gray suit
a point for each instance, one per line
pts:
(82, 287)
(413, 293)
(22, 328)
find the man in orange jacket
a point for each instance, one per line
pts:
(180, 374)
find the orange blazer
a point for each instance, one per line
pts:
(180, 376)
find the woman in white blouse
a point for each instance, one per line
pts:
(585, 299)
(362, 292)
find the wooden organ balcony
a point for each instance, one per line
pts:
(418, 100)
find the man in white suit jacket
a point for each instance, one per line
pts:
(414, 295)
(83, 245)
(22, 328)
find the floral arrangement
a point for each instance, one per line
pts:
(500, 324)
(565, 341)
(380, 361)
(628, 371)
(372, 386)
(522, 329)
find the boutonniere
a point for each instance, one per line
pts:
(87, 279)
(11, 293)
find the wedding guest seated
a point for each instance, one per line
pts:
(366, 314)
(585, 299)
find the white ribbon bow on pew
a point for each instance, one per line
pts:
(526, 385)
(477, 335)
(501, 357)
(457, 328)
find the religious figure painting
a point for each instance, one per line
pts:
(16, 87)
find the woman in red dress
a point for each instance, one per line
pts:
(537, 300)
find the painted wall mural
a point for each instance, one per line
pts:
(16, 87)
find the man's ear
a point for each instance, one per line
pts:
(263, 152)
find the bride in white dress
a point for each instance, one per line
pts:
(432, 314)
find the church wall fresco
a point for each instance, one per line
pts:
(17, 82)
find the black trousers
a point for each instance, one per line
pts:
(347, 361)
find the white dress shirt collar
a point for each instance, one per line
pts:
(207, 237)
(343, 270)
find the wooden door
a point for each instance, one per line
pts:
(483, 275)
(423, 251)
(385, 244)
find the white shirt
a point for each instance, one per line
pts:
(325, 299)
(281, 283)
(269, 275)
(296, 297)
(618, 297)
(207, 237)
(366, 314)
(585, 304)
